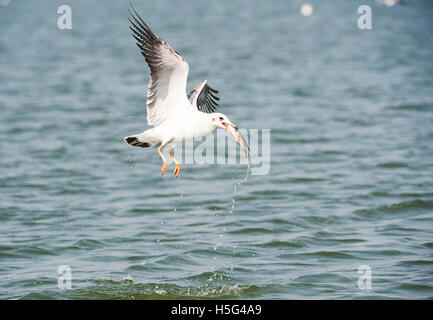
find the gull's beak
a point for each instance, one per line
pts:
(231, 125)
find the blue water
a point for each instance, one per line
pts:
(351, 175)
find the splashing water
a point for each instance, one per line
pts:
(234, 197)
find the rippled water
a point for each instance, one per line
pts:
(350, 183)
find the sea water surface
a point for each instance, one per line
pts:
(350, 184)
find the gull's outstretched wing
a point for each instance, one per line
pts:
(168, 72)
(203, 97)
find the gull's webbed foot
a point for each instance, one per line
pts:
(164, 168)
(176, 170)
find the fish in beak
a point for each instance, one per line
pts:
(234, 131)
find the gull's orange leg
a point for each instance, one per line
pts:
(177, 169)
(164, 165)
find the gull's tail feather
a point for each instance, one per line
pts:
(142, 140)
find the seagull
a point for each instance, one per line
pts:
(175, 116)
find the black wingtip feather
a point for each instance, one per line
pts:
(143, 26)
(206, 100)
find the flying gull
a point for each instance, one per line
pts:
(174, 115)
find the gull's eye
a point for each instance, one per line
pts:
(221, 118)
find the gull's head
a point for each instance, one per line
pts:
(220, 120)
